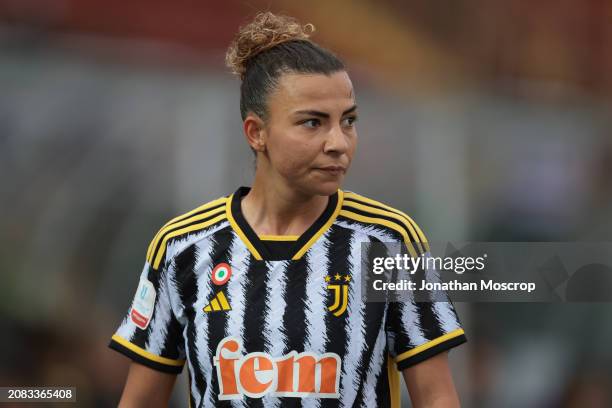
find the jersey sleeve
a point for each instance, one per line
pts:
(150, 334)
(417, 331)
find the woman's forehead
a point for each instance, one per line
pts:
(303, 89)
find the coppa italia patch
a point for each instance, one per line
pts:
(221, 274)
(142, 306)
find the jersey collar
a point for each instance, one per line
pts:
(304, 241)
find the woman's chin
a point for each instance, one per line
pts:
(326, 188)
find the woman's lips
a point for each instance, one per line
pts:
(333, 170)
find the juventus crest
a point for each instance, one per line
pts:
(339, 285)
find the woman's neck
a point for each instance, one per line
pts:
(274, 209)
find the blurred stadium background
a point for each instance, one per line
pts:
(484, 120)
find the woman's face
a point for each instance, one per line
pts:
(310, 135)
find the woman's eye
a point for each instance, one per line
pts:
(349, 121)
(311, 123)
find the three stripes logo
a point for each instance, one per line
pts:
(219, 276)
(340, 289)
(218, 303)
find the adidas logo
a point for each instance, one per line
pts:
(219, 303)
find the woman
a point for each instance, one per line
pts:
(259, 291)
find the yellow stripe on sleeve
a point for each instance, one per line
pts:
(428, 345)
(146, 354)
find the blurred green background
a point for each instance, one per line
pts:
(484, 120)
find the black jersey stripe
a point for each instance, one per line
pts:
(382, 386)
(189, 225)
(173, 336)
(254, 302)
(201, 209)
(399, 330)
(256, 287)
(353, 197)
(187, 290)
(294, 320)
(430, 325)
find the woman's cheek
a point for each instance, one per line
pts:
(294, 167)
(295, 157)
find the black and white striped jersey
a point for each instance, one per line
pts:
(269, 321)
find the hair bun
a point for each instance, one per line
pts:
(264, 32)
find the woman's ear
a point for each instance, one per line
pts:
(255, 133)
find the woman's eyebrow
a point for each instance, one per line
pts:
(323, 114)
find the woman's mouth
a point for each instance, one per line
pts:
(332, 170)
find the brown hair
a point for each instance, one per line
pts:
(268, 47)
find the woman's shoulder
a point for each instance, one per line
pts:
(373, 214)
(353, 201)
(194, 224)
